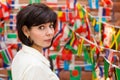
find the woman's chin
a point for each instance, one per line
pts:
(47, 46)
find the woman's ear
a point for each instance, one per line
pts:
(25, 31)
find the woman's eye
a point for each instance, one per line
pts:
(41, 27)
(51, 26)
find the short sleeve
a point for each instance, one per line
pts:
(35, 73)
(53, 76)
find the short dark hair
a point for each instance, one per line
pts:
(33, 15)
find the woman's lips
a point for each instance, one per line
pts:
(48, 40)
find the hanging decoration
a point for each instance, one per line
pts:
(34, 1)
(4, 10)
(93, 4)
(82, 34)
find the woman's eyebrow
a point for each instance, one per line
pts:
(51, 22)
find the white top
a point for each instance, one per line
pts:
(30, 64)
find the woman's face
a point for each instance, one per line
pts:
(41, 35)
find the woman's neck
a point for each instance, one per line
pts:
(37, 47)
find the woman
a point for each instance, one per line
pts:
(36, 25)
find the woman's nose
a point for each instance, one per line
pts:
(50, 31)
